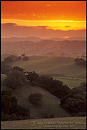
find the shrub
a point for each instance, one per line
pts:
(23, 55)
(32, 76)
(35, 99)
(74, 104)
(8, 60)
(80, 61)
(25, 58)
(5, 116)
(13, 116)
(17, 68)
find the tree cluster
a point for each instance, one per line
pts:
(80, 61)
(6, 63)
(75, 102)
(14, 58)
(55, 87)
(15, 79)
(35, 99)
(10, 110)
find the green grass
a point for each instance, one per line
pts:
(56, 123)
(50, 103)
(62, 68)
(71, 82)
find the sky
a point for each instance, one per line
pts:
(48, 17)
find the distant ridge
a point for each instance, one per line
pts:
(71, 38)
(17, 39)
(45, 47)
(37, 39)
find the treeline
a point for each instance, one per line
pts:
(73, 100)
(14, 58)
(6, 63)
(55, 87)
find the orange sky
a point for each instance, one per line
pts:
(63, 15)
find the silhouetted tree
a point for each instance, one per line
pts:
(15, 79)
(35, 99)
(25, 58)
(32, 76)
(74, 103)
(80, 61)
(8, 60)
(23, 55)
(17, 68)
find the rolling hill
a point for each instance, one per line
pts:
(50, 103)
(45, 48)
(17, 39)
(61, 68)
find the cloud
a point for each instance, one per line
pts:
(9, 24)
(13, 30)
(41, 27)
(67, 26)
(48, 5)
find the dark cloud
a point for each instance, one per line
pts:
(41, 27)
(67, 26)
(9, 24)
(13, 30)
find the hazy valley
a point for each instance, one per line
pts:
(34, 46)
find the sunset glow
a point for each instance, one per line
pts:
(50, 24)
(56, 15)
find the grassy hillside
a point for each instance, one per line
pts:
(50, 103)
(62, 68)
(57, 123)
